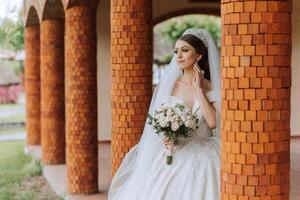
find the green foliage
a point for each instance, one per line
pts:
(167, 58)
(172, 29)
(12, 33)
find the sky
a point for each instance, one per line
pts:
(9, 8)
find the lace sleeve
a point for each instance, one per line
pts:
(211, 96)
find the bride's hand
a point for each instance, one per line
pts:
(168, 143)
(199, 80)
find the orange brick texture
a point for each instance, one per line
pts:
(81, 99)
(32, 84)
(256, 81)
(131, 47)
(52, 91)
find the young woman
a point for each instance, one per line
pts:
(193, 79)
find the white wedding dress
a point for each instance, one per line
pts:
(195, 171)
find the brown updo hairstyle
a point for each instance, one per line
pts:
(201, 49)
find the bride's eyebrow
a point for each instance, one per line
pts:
(181, 47)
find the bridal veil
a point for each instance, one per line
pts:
(133, 170)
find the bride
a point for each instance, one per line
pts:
(192, 79)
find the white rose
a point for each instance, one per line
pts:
(172, 119)
(174, 126)
(161, 116)
(169, 112)
(167, 119)
(180, 122)
(163, 123)
(184, 118)
(193, 125)
(188, 123)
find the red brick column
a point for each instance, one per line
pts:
(52, 91)
(32, 84)
(131, 46)
(256, 80)
(81, 99)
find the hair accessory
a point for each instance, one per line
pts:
(199, 33)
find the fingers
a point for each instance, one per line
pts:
(168, 143)
(197, 78)
(196, 69)
(169, 146)
(199, 73)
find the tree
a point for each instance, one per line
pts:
(174, 28)
(12, 33)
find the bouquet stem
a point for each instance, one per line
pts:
(170, 154)
(169, 160)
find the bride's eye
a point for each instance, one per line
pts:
(185, 50)
(175, 51)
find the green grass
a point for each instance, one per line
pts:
(9, 106)
(20, 175)
(16, 166)
(13, 117)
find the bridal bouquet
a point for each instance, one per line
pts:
(174, 122)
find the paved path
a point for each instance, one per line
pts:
(13, 137)
(59, 175)
(11, 111)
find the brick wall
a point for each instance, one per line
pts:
(32, 84)
(52, 91)
(256, 80)
(131, 47)
(81, 99)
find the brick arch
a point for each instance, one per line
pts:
(53, 9)
(72, 3)
(32, 17)
(186, 11)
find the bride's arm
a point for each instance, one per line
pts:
(208, 109)
(201, 85)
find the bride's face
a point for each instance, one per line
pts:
(186, 55)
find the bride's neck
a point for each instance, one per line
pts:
(188, 76)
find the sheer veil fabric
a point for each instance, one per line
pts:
(133, 171)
